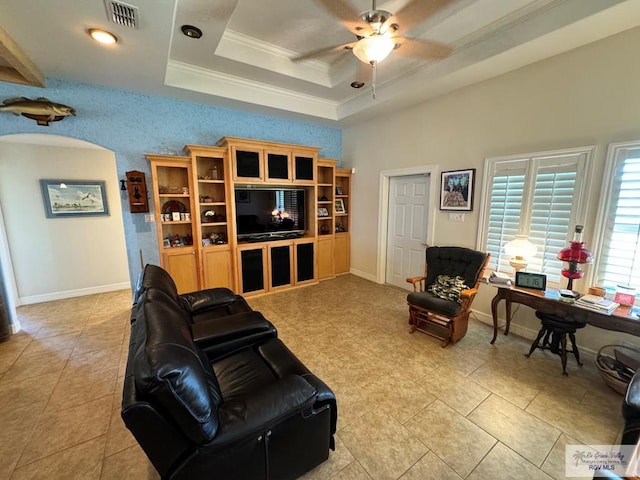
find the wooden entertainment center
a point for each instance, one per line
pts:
(196, 197)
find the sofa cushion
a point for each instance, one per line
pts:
(171, 370)
(241, 373)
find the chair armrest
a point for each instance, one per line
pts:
(467, 297)
(251, 414)
(205, 299)
(417, 281)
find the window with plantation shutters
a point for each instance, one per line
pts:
(537, 195)
(618, 243)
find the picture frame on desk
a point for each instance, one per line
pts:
(339, 207)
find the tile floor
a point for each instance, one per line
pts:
(407, 408)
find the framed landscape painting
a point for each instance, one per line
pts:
(456, 190)
(74, 198)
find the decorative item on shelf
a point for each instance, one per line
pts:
(188, 239)
(340, 228)
(217, 238)
(177, 241)
(520, 249)
(575, 254)
(209, 216)
(214, 173)
(206, 199)
(338, 190)
(323, 212)
(323, 199)
(340, 206)
(324, 229)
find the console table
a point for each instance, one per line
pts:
(547, 302)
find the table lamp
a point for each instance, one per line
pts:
(520, 248)
(575, 254)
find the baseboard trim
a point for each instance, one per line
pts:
(15, 327)
(366, 276)
(81, 292)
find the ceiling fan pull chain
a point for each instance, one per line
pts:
(374, 74)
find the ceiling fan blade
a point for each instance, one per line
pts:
(414, 13)
(344, 12)
(324, 51)
(414, 47)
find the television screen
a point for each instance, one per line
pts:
(269, 211)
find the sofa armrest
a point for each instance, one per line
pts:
(205, 299)
(252, 414)
(219, 336)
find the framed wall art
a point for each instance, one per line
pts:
(340, 206)
(74, 198)
(456, 190)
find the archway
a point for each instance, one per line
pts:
(47, 259)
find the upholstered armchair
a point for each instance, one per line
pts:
(441, 300)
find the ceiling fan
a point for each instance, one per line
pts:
(378, 34)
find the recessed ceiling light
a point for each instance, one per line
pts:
(191, 31)
(357, 84)
(102, 36)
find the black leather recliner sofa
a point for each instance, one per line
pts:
(243, 407)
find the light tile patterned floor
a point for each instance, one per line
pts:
(408, 409)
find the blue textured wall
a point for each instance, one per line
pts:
(132, 124)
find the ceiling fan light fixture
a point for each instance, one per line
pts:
(374, 48)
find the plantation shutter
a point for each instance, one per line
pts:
(619, 261)
(552, 209)
(537, 195)
(504, 211)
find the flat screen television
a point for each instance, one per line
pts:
(270, 212)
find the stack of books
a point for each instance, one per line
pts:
(598, 304)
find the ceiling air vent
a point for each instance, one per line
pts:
(122, 14)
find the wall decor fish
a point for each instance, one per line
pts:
(41, 109)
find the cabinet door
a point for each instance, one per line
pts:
(247, 163)
(305, 267)
(304, 168)
(277, 166)
(326, 264)
(252, 269)
(182, 266)
(280, 266)
(217, 268)
(342, 253)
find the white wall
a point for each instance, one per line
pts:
(589, 96)
(60, 257)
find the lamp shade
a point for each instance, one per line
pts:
(520, 247)
(374, 48)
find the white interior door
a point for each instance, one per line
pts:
(407, 228)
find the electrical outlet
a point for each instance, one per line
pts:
(456, 217)
(149, 218)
